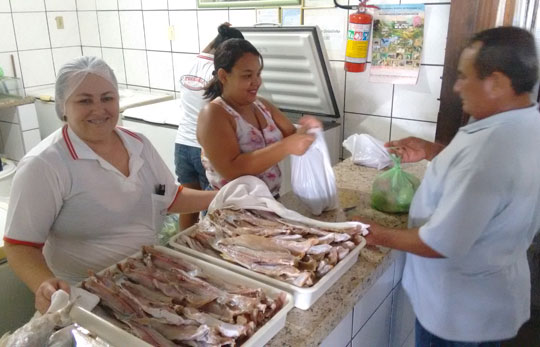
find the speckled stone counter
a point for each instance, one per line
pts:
(310, 327)
(7, 101)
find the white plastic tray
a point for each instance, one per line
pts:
(304, 297)
(118, 337)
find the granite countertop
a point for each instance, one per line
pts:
(7, 101)
(310, 327)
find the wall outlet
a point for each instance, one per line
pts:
(59, 22)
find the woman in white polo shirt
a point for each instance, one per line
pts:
(91, 193)
(187, 150)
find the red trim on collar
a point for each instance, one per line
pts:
(24, 243)
(69, 144)
(130, 133)
(205, 57)
(176, 196)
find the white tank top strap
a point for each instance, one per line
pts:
(265, 111)
(228, 108)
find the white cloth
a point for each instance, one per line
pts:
(85, 212)
(192, 89)
(479, 206)
(250, 192)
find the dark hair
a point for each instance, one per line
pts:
(509, 50)
(226, 56)
(225, 32)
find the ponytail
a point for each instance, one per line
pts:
(213, 88)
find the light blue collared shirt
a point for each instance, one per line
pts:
(479, 206)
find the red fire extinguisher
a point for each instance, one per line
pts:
(358, 38)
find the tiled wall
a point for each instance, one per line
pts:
(133, 37)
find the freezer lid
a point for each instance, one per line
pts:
(296, 75)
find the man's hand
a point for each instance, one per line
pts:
(411, 149)
(46, 290)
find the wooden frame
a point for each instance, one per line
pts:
(245, 3)
(466, 18)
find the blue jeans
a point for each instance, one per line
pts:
(424, 338)
(189, 168)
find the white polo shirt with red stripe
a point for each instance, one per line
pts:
(84, 212)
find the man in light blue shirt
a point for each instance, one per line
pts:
(478, 207)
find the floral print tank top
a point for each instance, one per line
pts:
(250, 139)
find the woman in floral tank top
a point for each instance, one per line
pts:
(240, 133)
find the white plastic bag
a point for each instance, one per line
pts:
(312, 177)
(368, 151)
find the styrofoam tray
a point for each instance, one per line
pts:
(304, 297)
(118, 337)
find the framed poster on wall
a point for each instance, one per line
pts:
(245, 3)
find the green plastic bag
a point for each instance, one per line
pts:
(393, 190)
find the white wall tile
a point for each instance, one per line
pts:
(426, 92)
(37, 67)
(185, 27)
(9, 115)
(136, 67)
(89, 28)
(403, 317)
(12, 139)
(91, 51)
(115, 58)
(131, 24)
(161, 70)
(384, 2)
(5, 63)
(371, 300)
(341, 335)
(402, 128)
(435, 33)
(376, 332)
(31, 30)
(69, 35)
(362, 96)
(333, 24)
(27, 117)
(182, 4)
(60, 5)
(154, 4)
(182, 64)
(129, 4)
(86, 5)
(27, 5)
(106, 5)
(378, 127)
(63, 55)
(338, 72)
(321, 3)
(242, 18)
(156, 28)
(428, 1)
(109, 29)
(208, 23)
(31, 138)
(7, 35)
(4, 6)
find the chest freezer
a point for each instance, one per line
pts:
(296, 76)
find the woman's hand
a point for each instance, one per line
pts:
(46, 290)
(413, 149)
(310, 122)
(298, 143)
